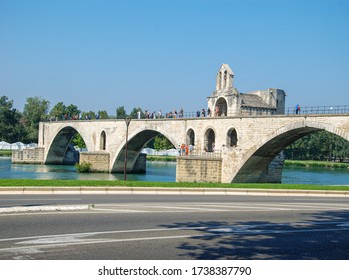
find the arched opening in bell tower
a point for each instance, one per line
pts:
(221, 107)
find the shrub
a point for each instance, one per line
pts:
(83, 167)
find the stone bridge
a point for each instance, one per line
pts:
(226, 149)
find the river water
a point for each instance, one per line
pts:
(163, 172)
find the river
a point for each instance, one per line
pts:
(163, 172)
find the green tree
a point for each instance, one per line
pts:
(162, 143)
(121, 112)
(35, 110)
(103, 114)
(58, 111)
(73, 111)
(88, 115)
(134, 113)
(78, 141)
(10, 126)
(318, 146)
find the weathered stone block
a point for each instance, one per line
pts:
(99, 160)
(195, 169)
(30, 155)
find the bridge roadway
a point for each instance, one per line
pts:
(176, 227)
(246, 145)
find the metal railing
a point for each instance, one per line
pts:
(203, 154)
(318, 110)
(308, 110)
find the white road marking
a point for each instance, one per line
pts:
(98, 241)
(63, 240)
(86, 234)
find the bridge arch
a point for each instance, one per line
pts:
(257, 159)
(57, 151)
(137, 141)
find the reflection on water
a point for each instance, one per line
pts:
(156, 171)
(315, 175)
(162, 172)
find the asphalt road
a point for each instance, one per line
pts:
(176, 227)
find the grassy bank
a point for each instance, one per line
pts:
(106, 183)
(5, 153)
(313, 163)
(161, 158)
(304, 163)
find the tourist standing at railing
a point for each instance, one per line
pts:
(298, 109)
(182, 149)
(181, 113)
(217, 111)
(191, 148)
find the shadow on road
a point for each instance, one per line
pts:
(324, 235)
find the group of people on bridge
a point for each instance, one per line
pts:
(185, 149)
(175, 114)
(160, 115)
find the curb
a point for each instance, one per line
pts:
(18, 209)
(168, 191)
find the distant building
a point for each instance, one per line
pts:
(228, 101)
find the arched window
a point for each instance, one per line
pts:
(209, 140)
(103, 140)
(232, 138)
(190, 140)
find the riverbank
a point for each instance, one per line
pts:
(304, 163)
(141, 184)
(314, 163)
(161, 158)
(5, 153)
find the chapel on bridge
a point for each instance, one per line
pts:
(228, 101)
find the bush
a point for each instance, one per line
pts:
(83, 167)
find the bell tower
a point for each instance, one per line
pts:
(225, 100)
(224, 79)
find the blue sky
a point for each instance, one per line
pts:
(101, 54)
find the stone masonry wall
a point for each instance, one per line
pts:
(194, 169)
(99, 160)
(32, 155)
